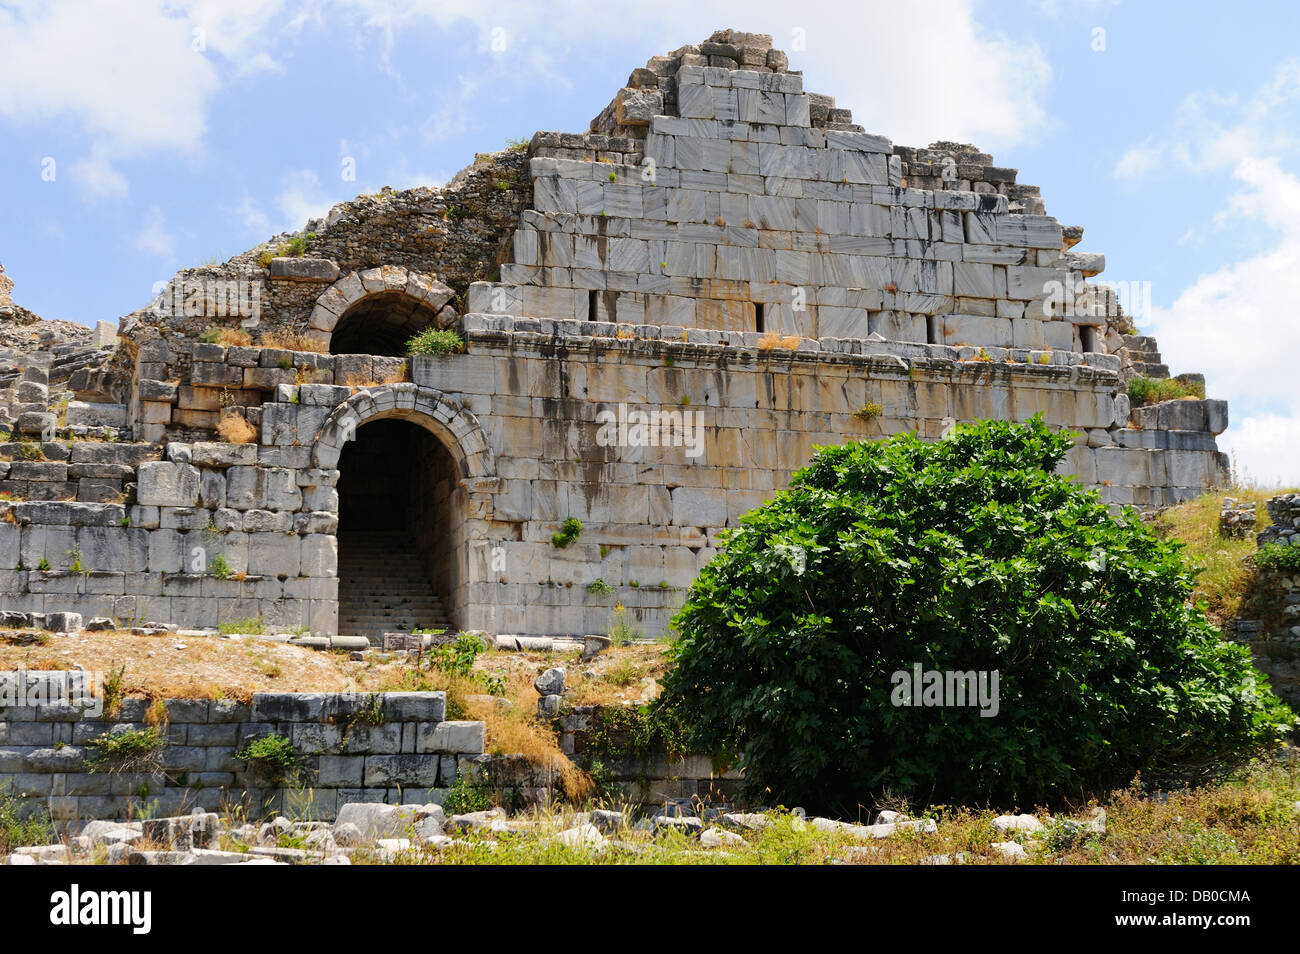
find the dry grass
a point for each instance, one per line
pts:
(235, 429)
(396, 376)
(771, 341)
(206, 668)
(1226, 576)
(232, 337)
(286, 339)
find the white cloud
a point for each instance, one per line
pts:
(914, 72)
(154, 237)
(97, 176)
(1137, 161)
(302, 198)
(253, 217)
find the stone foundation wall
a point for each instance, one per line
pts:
(1270, 624)
(651, 778)
(412, 754)
(216, 531)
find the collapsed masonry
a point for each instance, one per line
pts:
(722, 250)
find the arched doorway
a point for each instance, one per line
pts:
(400, 529)
(380, 324)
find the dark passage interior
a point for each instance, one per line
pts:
(380, 324)
(399, 528)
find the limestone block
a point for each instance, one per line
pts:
(699, 507)
(216, 454)
(319, 555)
(167, 484)
(281, 487)
(303, 269)
(273, 554)
(245, 488)
(452, 737)
(212, 489)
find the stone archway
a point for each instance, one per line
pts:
(375, 311)
(414, 470)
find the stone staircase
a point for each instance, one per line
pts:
(383, 586)
(1140, 356)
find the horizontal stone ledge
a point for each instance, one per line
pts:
(304, 269)
(875, 356)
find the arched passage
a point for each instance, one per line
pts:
(401, 511)
(375, 311)
(381, 324)
(412, 466)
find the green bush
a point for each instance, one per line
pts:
(967, 554)
(273, 757)
(1144, 390)
(22, 825)
(569, 531)
(1278, 556)
(435, 341)
(130, 751)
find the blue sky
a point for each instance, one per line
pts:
(184, 131)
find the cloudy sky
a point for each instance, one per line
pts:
(142, 136)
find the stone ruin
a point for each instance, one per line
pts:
(661, 317)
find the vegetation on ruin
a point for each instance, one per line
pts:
(569, 531)
(23, 822)
(1143, 390)
(965, 555)
(248, 626)
(1278, 556)
(435, 341)
(234, 428)
(272, 757)
(130, 751)
(1225, 566)
(226, 336)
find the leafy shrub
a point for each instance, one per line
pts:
(248, 626)
(598, 587)
(1143, 390)
(135, 750)
(569, 531)
(1277, 556)
(21, 826)
(621, 632)
(435, 341)
(219, 567)
(967, 554)
(273, 757)
(466, 796)
(455, 657)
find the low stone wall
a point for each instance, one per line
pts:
(1270, 620)
(652, 777)
(395, 747)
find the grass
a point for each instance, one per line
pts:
(234, 428)
(226, 336)
(23, 823)
(287, 339)
(249, 625)
(1226, 576)
(130, 752)
(435, 341)
(1248, 820)
(1144, 390)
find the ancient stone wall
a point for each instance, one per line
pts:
(723, 273)
(1270, 617)
(395, 747)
